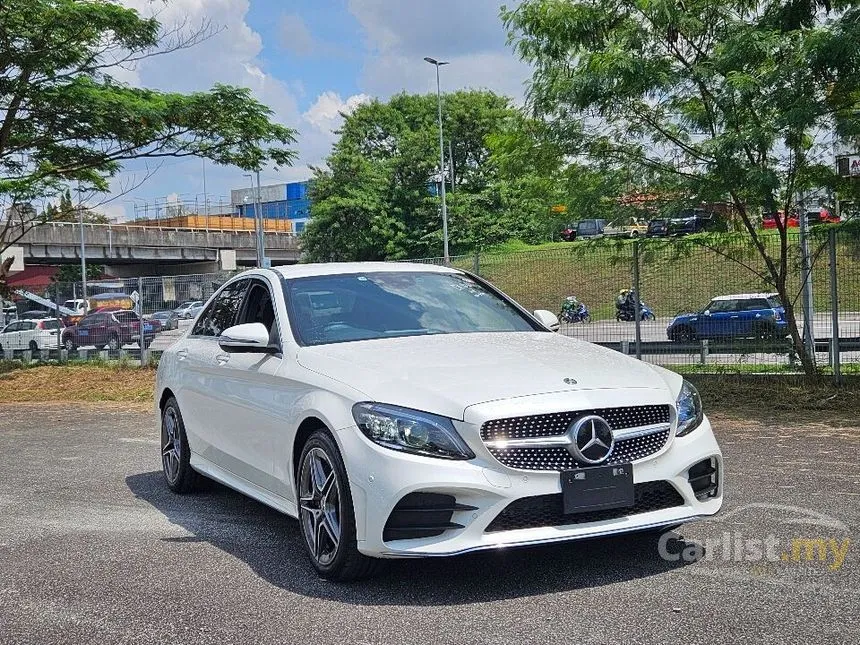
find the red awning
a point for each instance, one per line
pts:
(32, 278)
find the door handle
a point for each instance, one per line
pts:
(182, 354)
(735, 316)
(222, 359)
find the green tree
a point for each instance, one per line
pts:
(376, 197)
(725, 98)
(64, 120)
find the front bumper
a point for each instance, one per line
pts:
(379, 478)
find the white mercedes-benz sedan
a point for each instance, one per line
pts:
(402, 410)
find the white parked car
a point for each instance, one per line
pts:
(409, 410)
(185, 310)
(34, 335)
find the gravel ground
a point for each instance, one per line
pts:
(93, 548)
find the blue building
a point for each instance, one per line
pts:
(278, 201)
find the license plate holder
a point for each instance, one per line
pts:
(598, 488)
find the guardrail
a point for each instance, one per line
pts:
(706, 347)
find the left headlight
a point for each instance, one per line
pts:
(411, 431)
(689, 406)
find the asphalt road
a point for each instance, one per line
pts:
(94, 549)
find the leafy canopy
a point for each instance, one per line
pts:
(377, 196)
(65, 120)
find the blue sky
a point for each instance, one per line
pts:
(308, 60)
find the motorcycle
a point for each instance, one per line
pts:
(574, 311)
(625, 308)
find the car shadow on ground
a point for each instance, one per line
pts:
(271, 545)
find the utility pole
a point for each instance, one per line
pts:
(806, 274)
(261, 251)
(446, 256)
(83, 251)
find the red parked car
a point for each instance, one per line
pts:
(568, 233)
(111, 329)
(768, 220)
(821, 216)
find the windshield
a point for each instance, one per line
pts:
(349, 307)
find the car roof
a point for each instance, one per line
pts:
(338, 268)
(745, 296)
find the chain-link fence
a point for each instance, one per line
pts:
(705, 304)
(694, 304)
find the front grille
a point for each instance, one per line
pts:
(547, 426)
(548, 510)
(558, 458)
(554, 424)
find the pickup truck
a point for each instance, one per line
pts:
(628, 227)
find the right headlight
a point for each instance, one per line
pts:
(412, 431)
(689, 407)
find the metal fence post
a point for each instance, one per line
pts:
(637, 302)
(476, 264)
(834, 311)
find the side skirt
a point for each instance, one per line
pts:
(243, 486)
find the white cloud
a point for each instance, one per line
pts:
(295, 37)
(325, 113)
(469, 35)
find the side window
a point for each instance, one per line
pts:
(15, 326)
(28, 326)
(221, 312)
(756, 305)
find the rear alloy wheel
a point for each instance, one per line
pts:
(2, 352)
(34, 347)
(69, 344)
(175, 453)
(113, 343)
(326, 513)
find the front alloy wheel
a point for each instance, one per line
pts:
(319, 496)
(326, 512)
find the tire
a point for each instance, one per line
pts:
(181, 478)
(69, 344)
(34, 347)
(2, 353)
(327, 514)
(113, 343)
(99, 347)
(684, 334)
(763, 331)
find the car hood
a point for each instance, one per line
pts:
(447, 373)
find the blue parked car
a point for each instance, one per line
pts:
(745, 315)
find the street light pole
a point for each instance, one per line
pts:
(438, 64)
(261, 251)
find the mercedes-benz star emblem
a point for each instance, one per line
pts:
(591, 439)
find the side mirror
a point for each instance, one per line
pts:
(250, 338)
(706, 312)
(549, 319)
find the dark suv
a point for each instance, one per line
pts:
(111, 329)
(692, 221)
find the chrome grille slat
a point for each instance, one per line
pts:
(516, 441)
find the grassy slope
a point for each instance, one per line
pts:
(75, 382)
(541, 276)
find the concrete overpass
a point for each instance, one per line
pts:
(127, 249)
